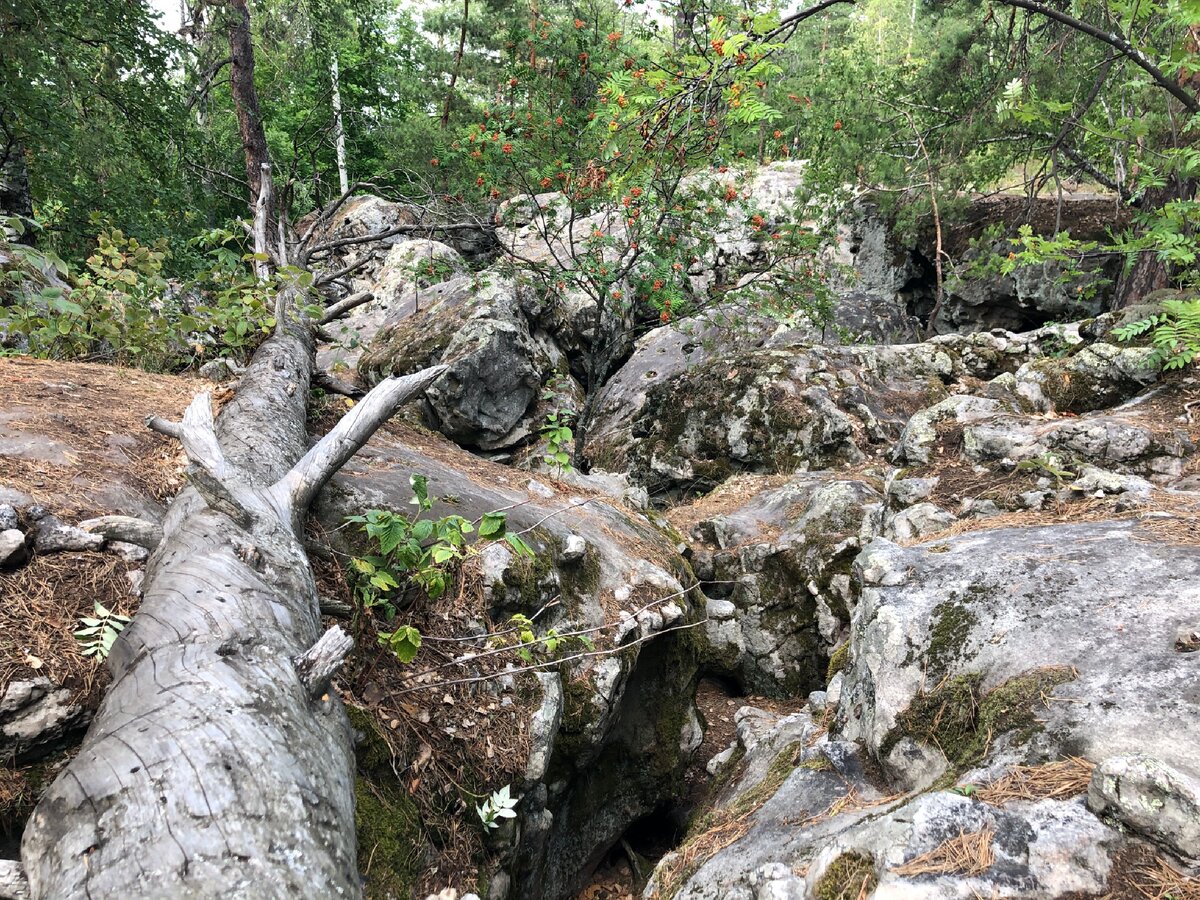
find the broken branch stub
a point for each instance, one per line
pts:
(316, 666)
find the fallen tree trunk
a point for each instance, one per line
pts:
(219, 764)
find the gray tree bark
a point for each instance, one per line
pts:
(219, 763)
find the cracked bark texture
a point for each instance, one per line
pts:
(209, 771)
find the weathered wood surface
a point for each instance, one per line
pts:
(211, 769)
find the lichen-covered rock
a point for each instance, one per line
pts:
(917, 521)
(747, 394)
(806, 822)
(477, 327)
(13, 551)
(777, 408)
(989, 625)
(1152, 798)
(1097, 376)
(401, 286)
(779, 570)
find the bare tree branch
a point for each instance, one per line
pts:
(1117, 41)
(296, 490)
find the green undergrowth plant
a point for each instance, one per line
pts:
(528, 644)
(122, 309)
(418, 553)
(100, 631)
(558, 434)
(1174, 333)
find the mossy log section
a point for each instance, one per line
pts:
(218, 765)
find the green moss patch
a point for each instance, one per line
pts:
(850, 876)
(962, 721)
(952, 622)
(838, 661)
(386, 820)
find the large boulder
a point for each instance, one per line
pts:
(1039, 672)
(799, 817)
(680, 416)
(777, 572)
(478, 327)
(1084, 615)
(400, 286)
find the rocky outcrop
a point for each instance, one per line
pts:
(991, 659)
(401, 287)
(679, 414)
(777, 576)
(896, 265)
(498, 360)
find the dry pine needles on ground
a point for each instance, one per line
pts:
(968, 854)
(43, 602)
(1054, 781)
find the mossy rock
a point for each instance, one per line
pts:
(952, 623)
(850, 876)
(963, 721)
(838, 660)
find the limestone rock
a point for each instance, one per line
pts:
(37, 717)
(13, 551)
(8, 518)
(1153, 798)
(477, 328)
(1001, 619)
(782, 594)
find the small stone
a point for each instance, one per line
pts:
(719, 609)
(135, 576)
(1187, 638)
(907, 491)
(717, 762)
(917, 522)
(1099, 482)
(979, 509)
(1034, 500)
(13, 551)
(220, 370)
(55, 536)
(36, 513)
(129, 552)
(833, 691)
(8, 517)
(575, 549)
(817, 701)
(1187, 483)
(537, 489)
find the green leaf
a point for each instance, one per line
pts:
(517, 543)
(420, 487)
(492, 525)
(404, 643)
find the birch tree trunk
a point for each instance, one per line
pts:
(220, 763)
(339, 130)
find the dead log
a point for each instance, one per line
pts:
(219, 764)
